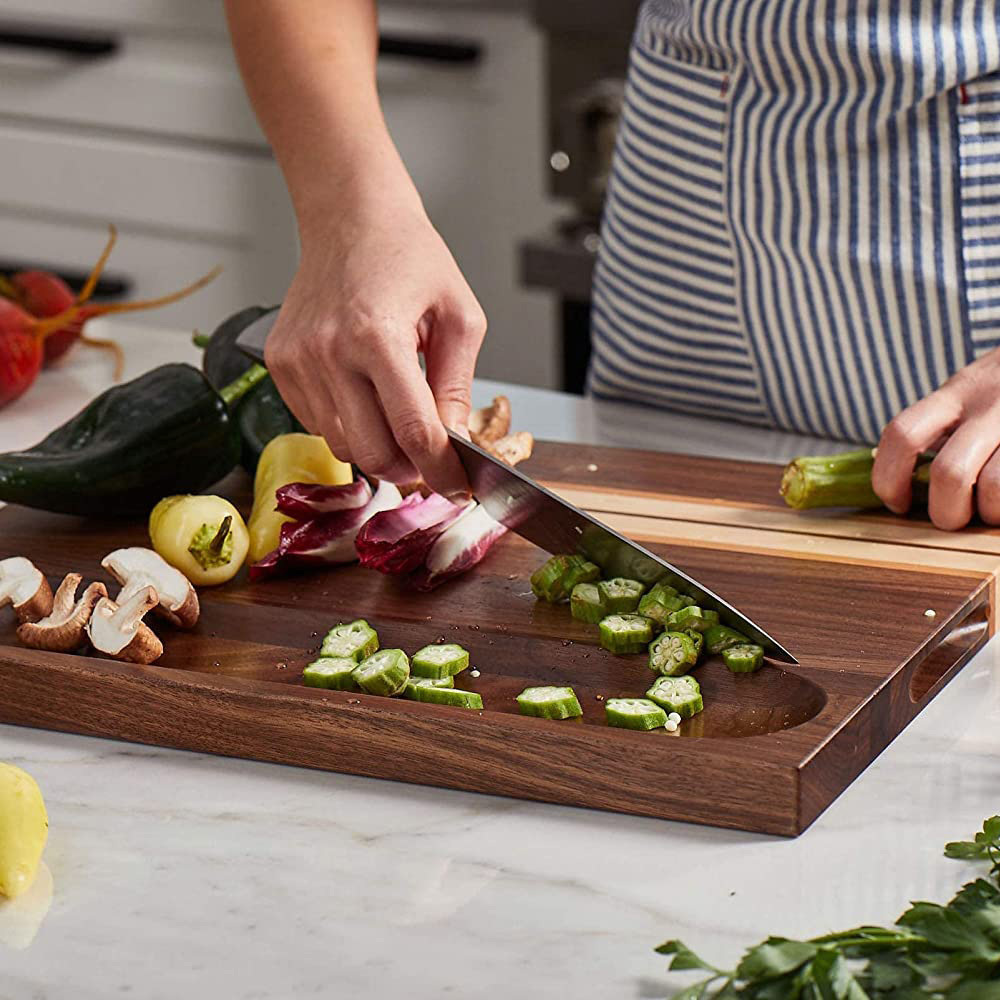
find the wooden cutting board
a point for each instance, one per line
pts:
(880, 611)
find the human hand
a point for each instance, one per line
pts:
(375, 289)
(961, 421)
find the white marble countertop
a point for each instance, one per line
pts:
(180, 875)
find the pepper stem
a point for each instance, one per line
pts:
(200, 339)
(236, 390)
(215, 545)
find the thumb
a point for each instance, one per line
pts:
(450, 352)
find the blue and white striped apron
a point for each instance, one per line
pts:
(803, 222)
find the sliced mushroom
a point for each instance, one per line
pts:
(513, 448)
(490, 423)
(138, 568)
(23, 585)
(119, 632)
(64, 628)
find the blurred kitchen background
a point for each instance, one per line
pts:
(132, 112)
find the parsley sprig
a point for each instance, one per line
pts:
(933, 952)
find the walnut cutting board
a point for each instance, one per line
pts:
(846, 594)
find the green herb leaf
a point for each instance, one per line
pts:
(775, 957)
(684, 957)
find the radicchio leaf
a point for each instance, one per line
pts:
(326, 540)
(307, 500)
(462, 545)
(397, 541)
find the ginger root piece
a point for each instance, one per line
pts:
(138, 568)
(513, 448)
(118, 631)
(64, 629)
(23, 586)
(490, 423)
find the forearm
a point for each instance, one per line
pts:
(309, 69)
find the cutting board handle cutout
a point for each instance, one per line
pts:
(964, 639)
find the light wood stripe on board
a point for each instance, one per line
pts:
(983, 541)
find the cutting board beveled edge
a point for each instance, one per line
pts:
(775, 782)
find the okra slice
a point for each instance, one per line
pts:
(546, 581)
(355, 640)
(672, 653)
(585, 603)
(625, 633)
(634, 713)
(433, 682)
(677, 694)
(443, 695)
(657, 608)
(443, 660)
(660, 591)
(385, 672)
(549, 703)
(334, 672)
(743, 659)
(720, 637)
(697, 638)
(579, 570)
(693, 617)
(620, 595)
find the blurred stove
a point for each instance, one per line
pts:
(587, 46)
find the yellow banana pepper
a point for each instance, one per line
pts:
(289, 458)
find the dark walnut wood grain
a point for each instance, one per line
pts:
(770, 752)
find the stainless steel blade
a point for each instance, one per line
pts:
(533, 512)
(251, 340)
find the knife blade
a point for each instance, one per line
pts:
(553, 524)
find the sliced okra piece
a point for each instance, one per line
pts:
(579, 570)
(335, 672)
(549, 703)
(720, 637)
(620, 595)
(677, 694)
(355, 640)
(546, 581)
(443, 696)
(634, 713)
(385, 672)
(661, 590)
(626, 633)
(443, 660)
(672, 653)
(697, 638)
(656, 609)
(585, 603)
(743, 659)
(693, 617)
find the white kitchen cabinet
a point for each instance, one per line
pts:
(157, 137)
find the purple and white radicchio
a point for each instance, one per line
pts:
(460, 547)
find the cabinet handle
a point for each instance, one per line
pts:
(109, 286)
(438, 50)
(77, 44)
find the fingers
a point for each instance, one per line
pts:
(956, 469)
(369, 439)
(910, 433)
(419, 434)
(988, 490)
(451, 351)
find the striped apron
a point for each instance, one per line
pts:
(802, 227)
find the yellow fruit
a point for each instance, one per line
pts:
(24, 828)
(288, 458)
(185, 531)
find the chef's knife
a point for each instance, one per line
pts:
(534, 513)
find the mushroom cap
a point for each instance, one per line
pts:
(513, 448)
(490, 423)
(64, 628)
(119, 632)
(136, 568)
(23, 585)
